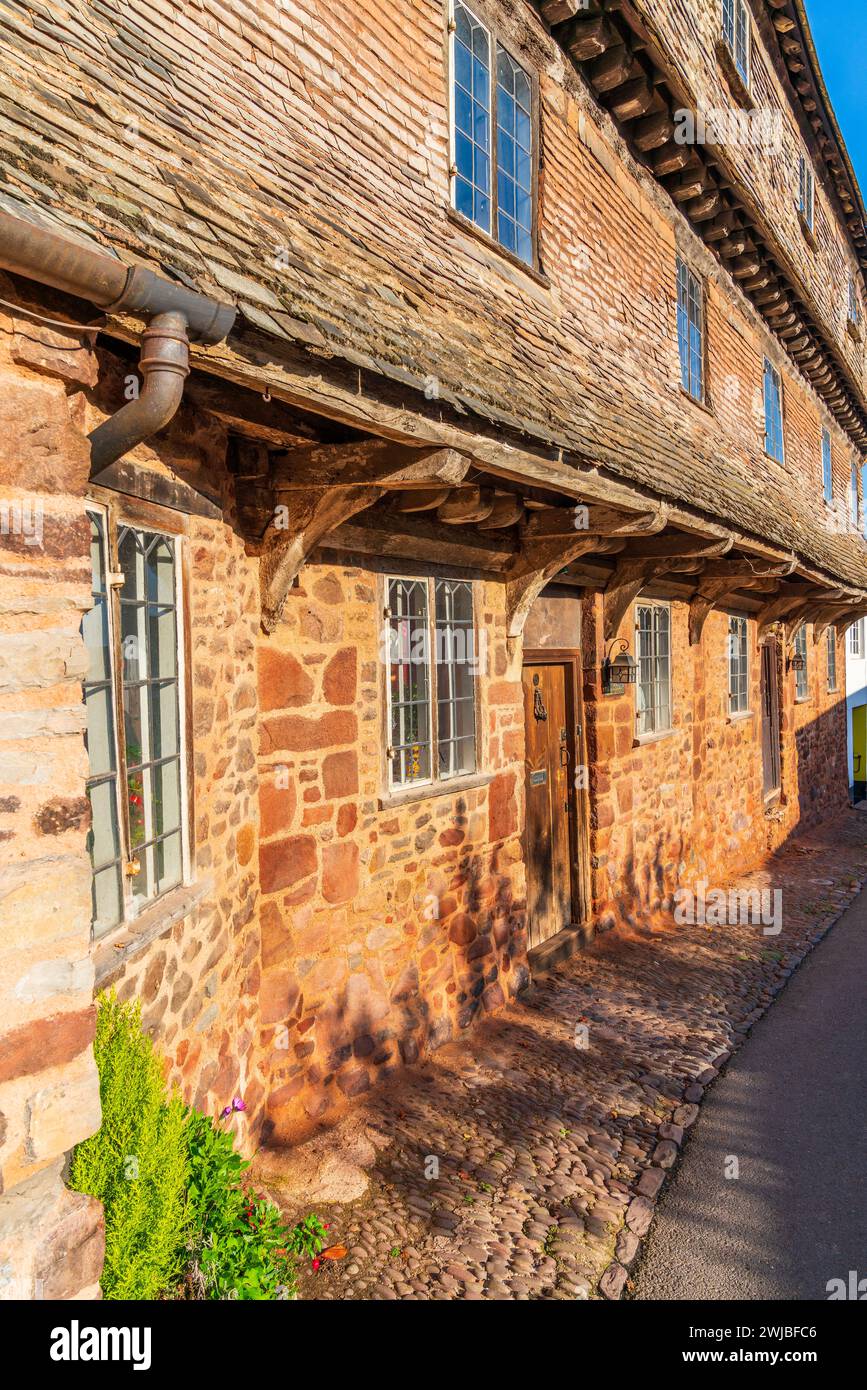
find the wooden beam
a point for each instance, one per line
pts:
(677, 544)
(584, 39)
(631, 575)
(365, 463)
(464, 505)
(424, 499)
(507, 510)
(720, 581)
(592, 519)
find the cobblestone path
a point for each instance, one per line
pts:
(550, 1155)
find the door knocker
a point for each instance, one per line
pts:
(539, 710)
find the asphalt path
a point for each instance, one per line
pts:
(791, 1109)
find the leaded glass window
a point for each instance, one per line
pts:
(773, 413)
(802, 677)
(653, 648)
(831, 639)
(690, 331)
(134, 740)
(736, 32)
(739, 666)
(432, 665)
(827, 472)
(492, 135)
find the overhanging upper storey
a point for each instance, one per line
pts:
(731, 115)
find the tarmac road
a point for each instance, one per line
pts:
(792, 1109)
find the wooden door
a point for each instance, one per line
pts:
(549, 721)
(770, 719)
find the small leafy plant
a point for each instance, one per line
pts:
(178, 1219)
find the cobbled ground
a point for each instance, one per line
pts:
(549, 1153)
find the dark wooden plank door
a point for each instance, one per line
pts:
(550, 764)
(770, 720)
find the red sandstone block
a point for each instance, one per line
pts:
(297, 734)
(340, 775)
(340, 872)
(283, 682)
(502, 807)
(46, 1042)
(347, 819)
(285, 862)
(340, 680)
(276, 807)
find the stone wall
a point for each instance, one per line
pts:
(688, 805)
(49, 1095)
(193, 957)
(388, 924)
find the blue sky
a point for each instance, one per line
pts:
(840, 34)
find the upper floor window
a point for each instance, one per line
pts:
(853, 311)
(802, 675)
(432, 666)
(856, 647)
(853, 494)
(864, 500)
(773, 413)
(831, 638)
(135, 784)
(736, 32)
(492, 135)
(690, 331)
(653, 649)
(739, 666)
(827, 472)
(806, 192)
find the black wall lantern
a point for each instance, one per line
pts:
(620, 670)
(797, 662)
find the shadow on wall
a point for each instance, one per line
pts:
(409, 985)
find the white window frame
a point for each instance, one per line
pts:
(652, 710)
(436, 778)
(767, 367)
(692, 285)
(495, 45)
(806, 191)
(802, 678)
(738, 661)
(856, 639)
(831, 639)
(734, 11)
(113, 521)
(827, 467)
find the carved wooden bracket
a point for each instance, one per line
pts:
(300, 526)
(313, 501)
(721, 580)
(634, 573)
(787, 607)
(537, 564)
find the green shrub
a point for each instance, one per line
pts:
(137, 1163)
(171, 1183)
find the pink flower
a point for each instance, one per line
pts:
(238, 1104)
(315, 1265)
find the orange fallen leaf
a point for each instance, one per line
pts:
(333, 1252)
